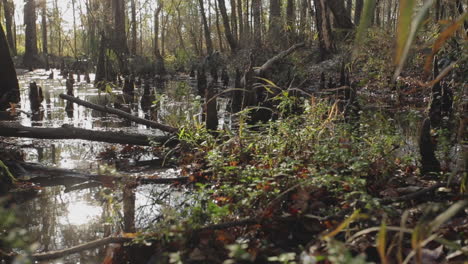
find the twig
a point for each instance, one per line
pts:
(412, 196)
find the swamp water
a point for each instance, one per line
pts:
(58, 218)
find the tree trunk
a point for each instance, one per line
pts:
(291, 21)
(340, 13)
(274, 31)
(234, 20)
(69, 132)
(227, 29)
(134, 29)
(303, 18)
(358, 11)
(44, 34)
(30, 54)
(120, 38)
(241, 22)
(209, 44)
(218, 28)
(324, 29)
(257, 26)
(75, 51)
(9, 88)
(349, 7)
(156, 29)
(8, 8)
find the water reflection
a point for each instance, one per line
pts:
(59, 218)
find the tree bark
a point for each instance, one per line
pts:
(227, 29)
(206, 29)
(134, 30)
(234, 20)
(340, 13)
(30, 54)
(9, 88)
(119, 43)
(322, 16)
(156, 28)
(218, 28)
(44, 34)
(358, 11)
(274, 30)
(241, 22)
(257, 26)
(291, 20)
(69, 132)
(120, 113)
(9, 10)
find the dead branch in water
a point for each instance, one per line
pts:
(69, 132)
(119, 113)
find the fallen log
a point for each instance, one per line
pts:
(87, 246)
(119, 113)
(70, 132)
(48, 176)
(267, 65)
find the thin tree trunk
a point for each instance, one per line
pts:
(30, 55)
(358, 11)
(257, 28)
(326, 44)
(209, 44)
(134, 30)
(218, 28)
(291, 20)
(274, 30)
(303, 19)
(241, 22)
(234, 20)
(227, 29)
(75, 51)
(8, 9)
(44, 34)
(156, 28)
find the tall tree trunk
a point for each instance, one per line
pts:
(389, 14)
(30, 55)
(44, 34)
(358, 11)
(247, 27)
(156, 28)
(274, 30)
(234, 20)
(227, 29)
(9, 89)
(349, 7)
(241, 22)
(8, 9)
(75, 51)
(257, 26)
(303, 18)
(209, 44)
(134, 29)
(378, 13)
(120, 37)
(340, 13)
(291, 20)
(218, 28)
(324, 29)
